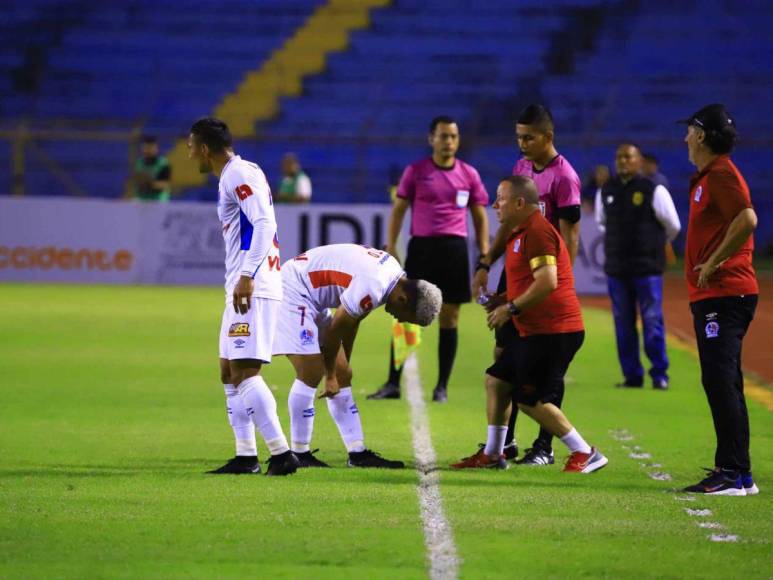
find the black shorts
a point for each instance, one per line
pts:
(444, 261)
(535, 365)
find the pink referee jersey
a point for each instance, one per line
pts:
(557, 183)
(439, 197)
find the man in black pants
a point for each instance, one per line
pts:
(723, 291)
(439, 190)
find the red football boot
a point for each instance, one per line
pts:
(579, 462)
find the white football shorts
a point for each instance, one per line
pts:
(250, 335)
(299, 326)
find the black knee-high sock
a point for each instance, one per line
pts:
(449, 337)
(511, 423)
(394, 373)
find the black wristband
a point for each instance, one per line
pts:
(481, 266)
(514, 310)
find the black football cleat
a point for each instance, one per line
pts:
(368, 458)
(660, 384)
(630, 384)
(307, 459)
(440, 395)
(537, 456)
(282, 464)
(239, 465)
(387, 391)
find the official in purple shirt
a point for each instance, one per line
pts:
(439, 190)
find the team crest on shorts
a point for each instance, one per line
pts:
(712, 329)
(698, 193)
(307, 337)
(239, 329)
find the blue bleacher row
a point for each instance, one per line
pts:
(357, 124)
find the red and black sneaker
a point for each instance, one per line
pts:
(579, 462)
(481, 461)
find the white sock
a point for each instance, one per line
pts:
(346, 415)
(574, 441)
(495, 440)
(261, 407)
(300, 403)
(244, 431)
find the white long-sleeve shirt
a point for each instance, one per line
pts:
(246, 213)
(662, 205)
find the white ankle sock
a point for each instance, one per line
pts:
(261, 407)
(574, 441)
(300, 403)
(244, 431)
(495, 440)
(346, 415)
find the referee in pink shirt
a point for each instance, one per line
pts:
(439, 190)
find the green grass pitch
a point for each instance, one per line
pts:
(111, 410)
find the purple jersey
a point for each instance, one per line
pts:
(439, 197)
(557, 183)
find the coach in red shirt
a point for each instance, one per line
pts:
(542, 303)
(723, 291)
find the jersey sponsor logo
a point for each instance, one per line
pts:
(239, 329)
(366, 304)
(712, 329)
(307, 337)
(698, 193)
(321, 278)
(243, 191)
(638, 198)
(273, 263)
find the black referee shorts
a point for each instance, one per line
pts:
(444, 261)
(535, 365)
(507, 333)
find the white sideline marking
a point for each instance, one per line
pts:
(438, 535)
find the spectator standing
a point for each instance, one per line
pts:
(638, 218)
(440, 190)
(650, 169)
(295, 186)
(152, 173)
(723, 291)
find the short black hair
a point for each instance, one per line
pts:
(440, 119)
(630, 143)
(149, 139)
(213, 133)
(721, 141)
(651, 158)
(538, 116)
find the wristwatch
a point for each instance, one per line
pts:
(514, 310)
(481, 266)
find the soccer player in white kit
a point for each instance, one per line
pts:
(253, 294)
(354, 280)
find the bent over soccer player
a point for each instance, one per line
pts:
(355, 280)
(543, 305)
(253, 294)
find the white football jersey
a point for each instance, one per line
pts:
(246, 213)
(354, 277)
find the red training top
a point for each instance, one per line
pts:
(717, 195)
(534, 244)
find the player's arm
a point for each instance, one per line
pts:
(341, 332)
(497, 248)
(254, 199)
(480, 223)
(545, 273)
(395, 224)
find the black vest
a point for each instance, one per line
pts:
(634, 241)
